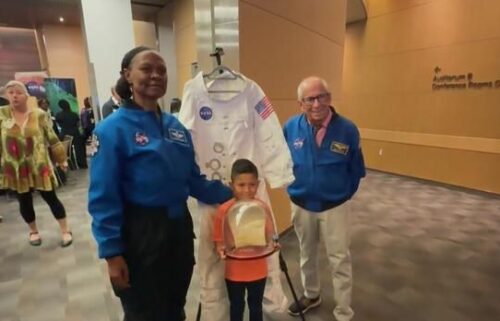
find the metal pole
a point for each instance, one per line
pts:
(284, 268)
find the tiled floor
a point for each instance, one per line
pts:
(421, 252)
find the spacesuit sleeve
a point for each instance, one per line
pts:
(105, 200)
(274, 155)
(187, 112)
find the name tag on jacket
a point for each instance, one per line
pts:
(338, 147)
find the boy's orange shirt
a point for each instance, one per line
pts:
(238, 270)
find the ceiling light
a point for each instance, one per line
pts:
(61, 19)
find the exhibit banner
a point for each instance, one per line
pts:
(34, 81)
(61, 88)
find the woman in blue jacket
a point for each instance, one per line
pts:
(142, 172)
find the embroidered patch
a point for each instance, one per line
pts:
(206, 113)
(177, 135)
(264, 108)
(94, 145)
(141, 138)
(298, 143)
(340, 148)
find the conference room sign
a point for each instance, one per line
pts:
(462, 81)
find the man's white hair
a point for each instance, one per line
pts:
(300, 88)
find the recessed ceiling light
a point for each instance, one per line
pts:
(61, 19)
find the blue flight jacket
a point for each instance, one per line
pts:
(144, 160)
(328, 175)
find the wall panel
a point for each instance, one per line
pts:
(66, 56)
(282, 42)
(185, 41)
(389, 65)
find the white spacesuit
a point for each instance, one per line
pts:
(233, 119)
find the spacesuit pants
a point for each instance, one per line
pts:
(213, 293)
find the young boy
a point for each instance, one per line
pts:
(242, 275)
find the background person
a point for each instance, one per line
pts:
(43, 103)
(87, 118)
(141, 175)
(3, 102)
(328, 166)
(26, 137)
(70, 125)
(112, 104)
(175, 106)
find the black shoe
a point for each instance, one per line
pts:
(304, 304)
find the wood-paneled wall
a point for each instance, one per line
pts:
(18, 52)
(185, 41)
(282, 42)
(445, 135)
(65, 50)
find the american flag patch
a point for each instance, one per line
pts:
(264, 108)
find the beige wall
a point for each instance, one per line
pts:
(145, 34)
(450, 136)
(185, 41)
(280, 44)
(66, 56)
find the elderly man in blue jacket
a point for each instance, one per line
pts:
(328, 166)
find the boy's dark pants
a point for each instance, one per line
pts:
(236, 292)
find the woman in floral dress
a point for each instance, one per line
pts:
(26, 137)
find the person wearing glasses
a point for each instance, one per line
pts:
(328, 166)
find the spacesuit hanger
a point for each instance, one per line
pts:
(221, 72)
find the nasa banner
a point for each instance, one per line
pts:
(34, 81)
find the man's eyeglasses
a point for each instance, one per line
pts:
(322, 99)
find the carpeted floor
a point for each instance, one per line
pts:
(421, 252)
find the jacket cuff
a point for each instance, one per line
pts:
(110, 248)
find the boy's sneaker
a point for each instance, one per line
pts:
(304, 304)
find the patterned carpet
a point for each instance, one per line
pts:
(421, 252)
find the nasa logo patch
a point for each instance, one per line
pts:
(298, 143)
(206, 113)
(141, 139)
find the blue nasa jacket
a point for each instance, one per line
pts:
(328, 175)
(144, 160)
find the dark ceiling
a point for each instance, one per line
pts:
(30, 13)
